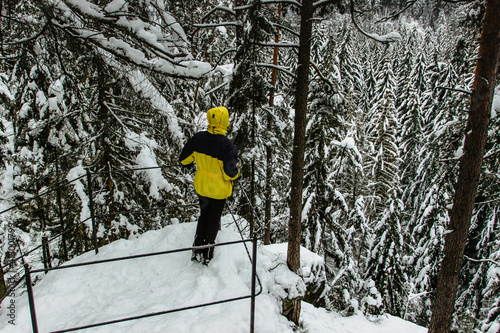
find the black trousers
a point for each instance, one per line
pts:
(208, 224)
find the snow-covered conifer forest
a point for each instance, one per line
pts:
(121, 84)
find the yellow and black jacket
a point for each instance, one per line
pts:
(216, 158)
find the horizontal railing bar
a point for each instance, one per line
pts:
(136, 169)
(51, 239)
(80, 177)
(138, 256)
(98, 216)
(155, 314)
(143, 210)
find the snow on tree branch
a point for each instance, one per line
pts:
(385, 39)
(280, 68)
(143, 34)
(217, 8)
(290, 2)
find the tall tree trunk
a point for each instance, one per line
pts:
(294, 232)
(239, 19)
(469, 170)
(269, 150)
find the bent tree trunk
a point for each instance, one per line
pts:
(469, 170)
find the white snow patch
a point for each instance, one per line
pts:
(143, 86)
(75, 173)
(147, 159)
(103, 292)
(495, 105)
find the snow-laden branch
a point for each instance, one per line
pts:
(385, 39)
(214, 25)
(321, 3)
(280, 68)
(218, 8)
(152, 40)
(267, 2)
(143, 86)
(141, 30)
(348, 143)
(491, 261)
(282, 27)
(283, 44)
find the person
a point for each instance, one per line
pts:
(216, 160)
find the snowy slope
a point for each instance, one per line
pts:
(97, 293)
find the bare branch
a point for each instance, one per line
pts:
(396, 14)
(27, 39)
(290, 2)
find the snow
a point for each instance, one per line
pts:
(146, 89)
(4, 90)
(495, 105)
(116, 6)
(75, 173)
(320, 320)
(103, 292)
(390, 37)
(147, 159)
(348, 142)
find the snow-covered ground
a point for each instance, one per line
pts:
(104, 292)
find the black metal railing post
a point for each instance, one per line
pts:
(31, 297)
(254, 274)
(91, 207)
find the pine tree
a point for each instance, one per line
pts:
(384, 264)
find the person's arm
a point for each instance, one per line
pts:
(187, 155)
(230, 162)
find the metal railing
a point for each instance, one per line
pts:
(252, 296)
(94, 226)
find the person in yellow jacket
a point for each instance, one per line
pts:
(216, 161)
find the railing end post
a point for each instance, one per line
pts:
(31, 297)
(254, 274)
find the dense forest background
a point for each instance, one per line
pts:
(108, 85)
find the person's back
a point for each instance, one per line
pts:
(216, 161)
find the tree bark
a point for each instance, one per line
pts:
(294, 232)
(269, 150)
(469, 170)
